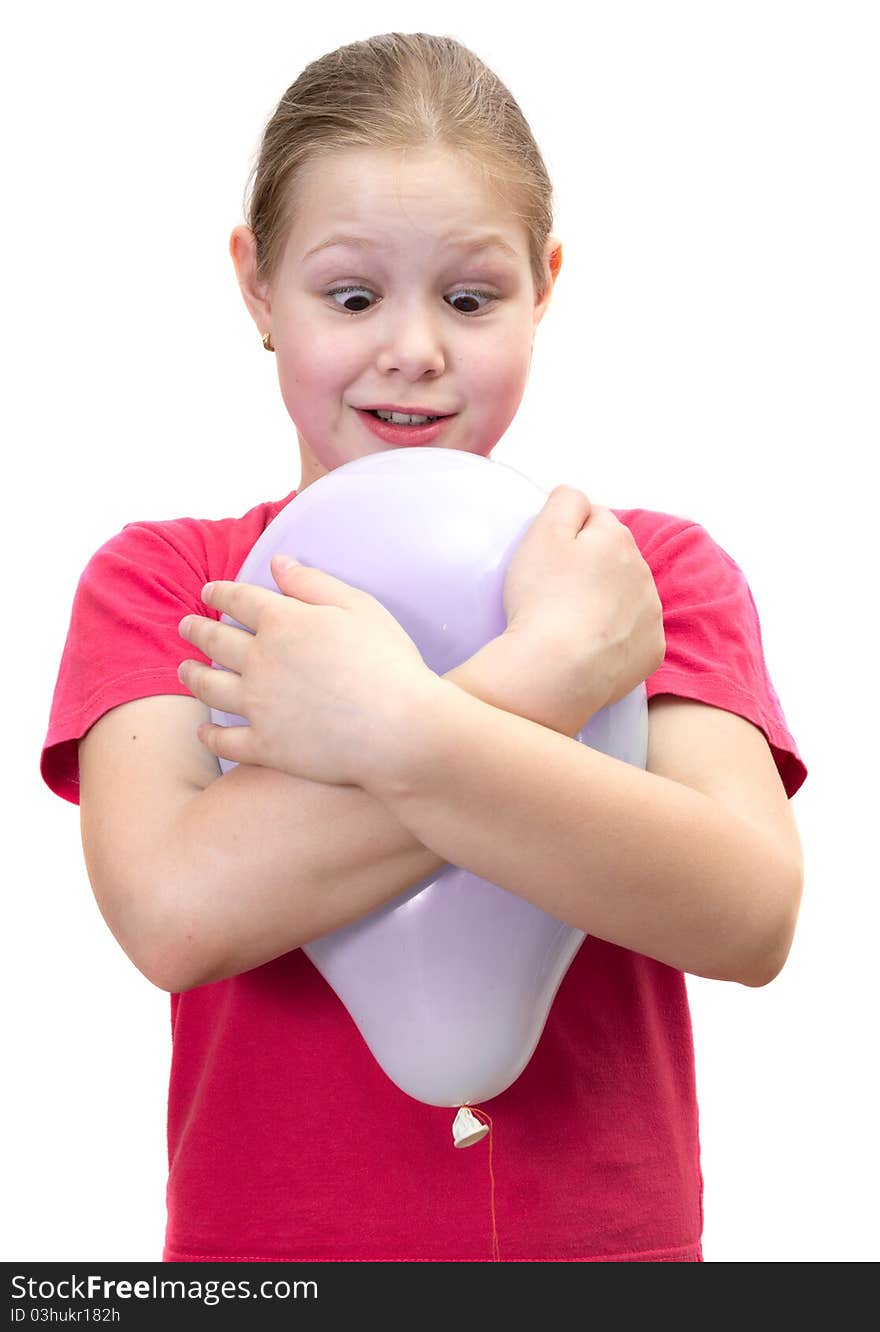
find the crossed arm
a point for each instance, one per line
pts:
(705, 884)
(695, 862)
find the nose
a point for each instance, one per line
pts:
(412, 341)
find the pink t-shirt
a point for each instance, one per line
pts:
(286, 1140)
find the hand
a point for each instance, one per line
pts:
(578, 582)
(327, 679)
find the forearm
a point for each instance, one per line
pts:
(260, 862)
(621, 853)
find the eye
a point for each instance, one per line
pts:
(353, 293)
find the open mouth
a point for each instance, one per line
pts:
(404, 433)
(371, 411)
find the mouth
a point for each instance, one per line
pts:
(404, 434)
(430, 417)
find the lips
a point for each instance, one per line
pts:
(403, 435)
(406, 411)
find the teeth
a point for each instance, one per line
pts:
(403, 418)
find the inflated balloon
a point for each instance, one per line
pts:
(450, 983)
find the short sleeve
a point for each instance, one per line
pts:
(714, 649)
(122, 641)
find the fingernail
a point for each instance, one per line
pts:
(207, 590)
(285, 562)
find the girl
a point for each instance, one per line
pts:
(398, 256)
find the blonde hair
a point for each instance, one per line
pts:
(399, 90)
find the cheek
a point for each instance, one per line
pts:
(309, 369)
(505, 357)
(301, 391)
(316, 358)
(504, 377)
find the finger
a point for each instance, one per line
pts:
(601, 513)
(568, 507)
(314, 586)
(223, 643)
(219, 688)
(244, 602)
(227, 742)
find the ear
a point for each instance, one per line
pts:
(554, 255)
(256, 296)
(553, 262)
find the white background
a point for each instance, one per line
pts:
(711, 351)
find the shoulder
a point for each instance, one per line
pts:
(689, 565)
(714, 655)
(205, 547)
(657, 533)
(122, 640)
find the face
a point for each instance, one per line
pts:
(427, 321)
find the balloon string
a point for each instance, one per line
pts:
(496, 1257)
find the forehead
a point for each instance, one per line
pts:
(388, 198)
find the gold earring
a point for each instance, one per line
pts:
(267, 342)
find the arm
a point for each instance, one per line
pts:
(630, 856)
(259, 862)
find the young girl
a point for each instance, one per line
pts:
(398, 256)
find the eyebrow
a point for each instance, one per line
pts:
(472, 245)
